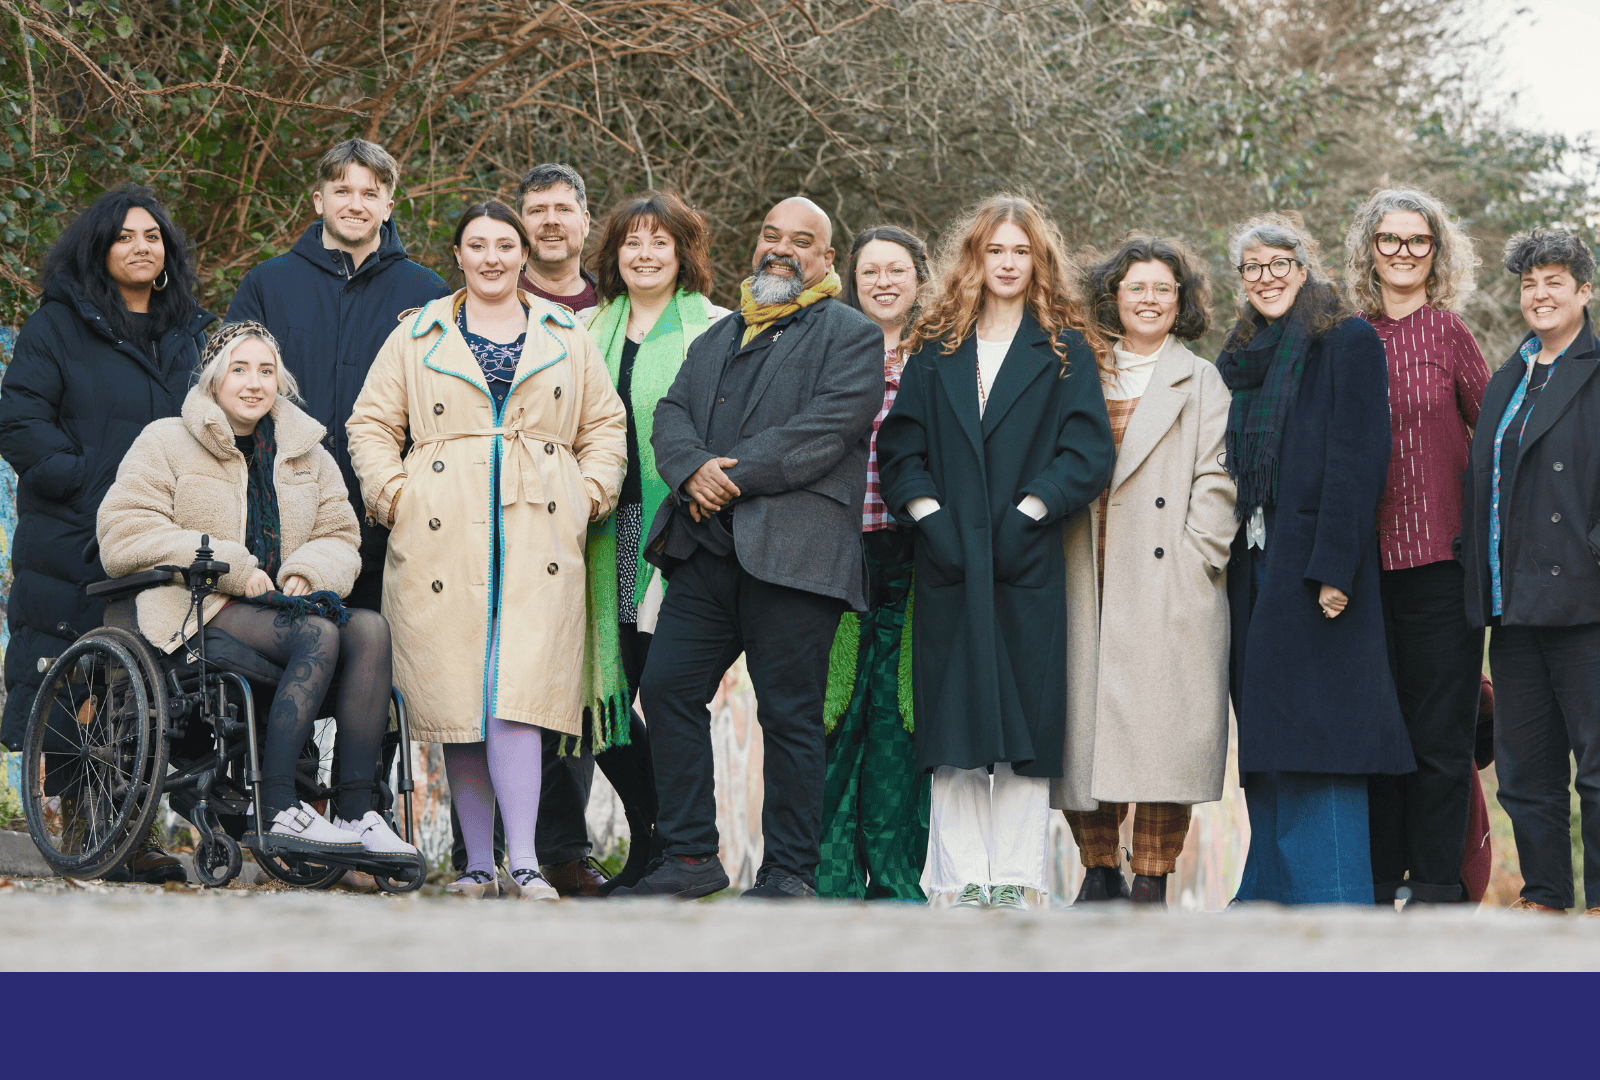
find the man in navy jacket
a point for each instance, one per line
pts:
(332, 301)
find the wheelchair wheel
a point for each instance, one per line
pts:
(93, 758)
(219, 862)
(296, 872)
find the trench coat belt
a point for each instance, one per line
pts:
(525, 440)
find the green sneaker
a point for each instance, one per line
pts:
(1009, 897)
(973, 896)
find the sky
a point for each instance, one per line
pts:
(1551, 50)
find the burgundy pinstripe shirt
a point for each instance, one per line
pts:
(1436, 381)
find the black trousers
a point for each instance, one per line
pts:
(714, 610)
(1547, 709)
(1418, 822)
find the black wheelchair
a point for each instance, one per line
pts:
(116, 725)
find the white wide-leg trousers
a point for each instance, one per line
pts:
(987, 830)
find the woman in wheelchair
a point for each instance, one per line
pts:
(245, 465)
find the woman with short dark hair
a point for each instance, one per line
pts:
(117, 336)
(653, 267)
(1308, 445)
(1532, 555)
(1147, 687)
(1408, 268)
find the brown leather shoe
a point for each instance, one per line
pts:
(576, 877)
(1593, 913)
(1522, 903)
(149, 864)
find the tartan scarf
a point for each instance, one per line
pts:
(757, 317)
(261, 531)
(1264, 377)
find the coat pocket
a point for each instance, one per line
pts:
(1020, 550)
(939, 549)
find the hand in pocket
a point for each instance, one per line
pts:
(1019, 550)
(939, 542)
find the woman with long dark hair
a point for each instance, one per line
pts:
(874, 802)
(113, 346)
(1308, 445)
(998, 433)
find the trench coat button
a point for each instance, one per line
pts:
(438, 408)
(438, 586)
(1160, 502)
(438, 466)
(552, 568)
(1555, 517)
(549, 447)
(433, 523)
(551, 507)
(1160, 552)
(558, 391)
(1558, 466)
(1554, 570)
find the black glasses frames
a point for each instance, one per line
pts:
(1389, 243)
(1278, 268)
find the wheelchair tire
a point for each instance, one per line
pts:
(221, 864)
(93, 757)
(160, 713)
(410, 883)
(302, 875)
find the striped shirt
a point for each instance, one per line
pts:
(1436, 382)
(875, 515)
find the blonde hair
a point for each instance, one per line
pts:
(219, 351)
(1453, 276)
(951, 316)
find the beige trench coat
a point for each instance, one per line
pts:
(183, 477)
(560, 441)
(1147, 676)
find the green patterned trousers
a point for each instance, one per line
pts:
(874, 805)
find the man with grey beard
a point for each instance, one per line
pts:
(762, 442)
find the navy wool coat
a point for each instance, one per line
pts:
(1314, 694)
(989, 613)
(74, 399)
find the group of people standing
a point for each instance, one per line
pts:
(992, 539)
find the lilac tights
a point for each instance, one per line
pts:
(508, 764)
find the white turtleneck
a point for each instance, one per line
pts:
(1133, 372)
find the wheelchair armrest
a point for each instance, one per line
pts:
(125, 588)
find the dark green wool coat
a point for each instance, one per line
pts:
(990, 616)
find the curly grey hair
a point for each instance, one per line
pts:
(1550, 247)
(1453, 275)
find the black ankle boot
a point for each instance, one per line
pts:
(641, 850)
(1149, 889)
(1102, 883)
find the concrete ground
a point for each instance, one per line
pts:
(50, 924)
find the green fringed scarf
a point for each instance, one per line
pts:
(660, 356)
(843, 669)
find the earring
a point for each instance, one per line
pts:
(162, 284)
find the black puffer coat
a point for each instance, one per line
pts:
(72, 402)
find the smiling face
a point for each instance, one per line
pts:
(1553, 303)
(1273, 296)
(1147, 304)
(795, 241)
(886, 282)
(353, 207)
(1403, 272)
(137, 256)
(1007, 262)
(648, 260)
(249, 386)
(557, 224)
(490, 255)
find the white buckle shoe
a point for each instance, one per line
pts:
(302, 827)
(375, 834)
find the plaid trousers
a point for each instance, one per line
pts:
(1159, 830)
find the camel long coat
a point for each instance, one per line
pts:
(557, 442)
(184, 477)
(1147, 672)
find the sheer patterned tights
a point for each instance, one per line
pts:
(311, 652)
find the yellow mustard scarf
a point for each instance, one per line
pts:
(757, 317)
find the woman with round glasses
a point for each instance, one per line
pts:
(1147, 604)
(1308, 445)
(1408, 268)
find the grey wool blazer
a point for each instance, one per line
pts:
(802, 449)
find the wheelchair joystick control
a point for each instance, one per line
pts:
(205, 571)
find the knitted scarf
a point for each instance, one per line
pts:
(757, 317)
(660, 356)
(261, 531)
(1264, 377)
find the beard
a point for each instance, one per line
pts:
(768, 288)
(333, 225)
(546, 260)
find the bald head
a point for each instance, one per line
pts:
(796, 237)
